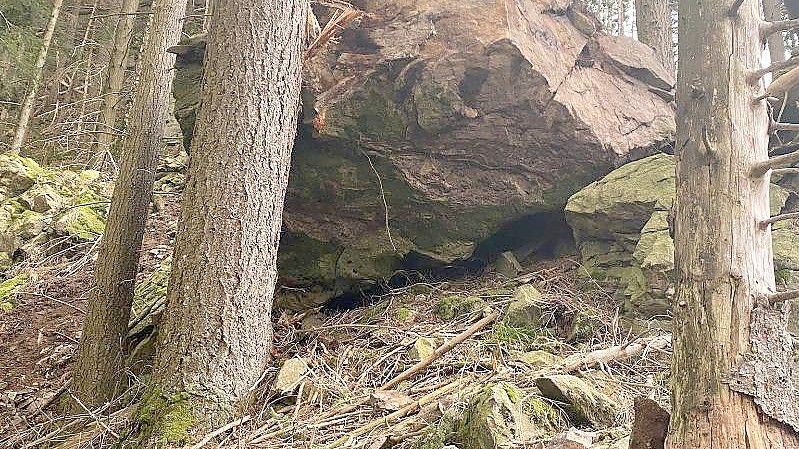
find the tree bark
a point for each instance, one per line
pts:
(653, 22)
(99, 369)
(215, 335)
(776, 44)
(27, 105)
(116, 75)
(723, 259)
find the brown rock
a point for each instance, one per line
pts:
(650, 426)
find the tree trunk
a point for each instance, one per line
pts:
(653, 22)
(723, 258)
(776, 45)
(622, 4)
(215, 335)
(99, 369)
(116, 75)
(27, 105)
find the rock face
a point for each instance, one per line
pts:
(442, 120)
(620, 224)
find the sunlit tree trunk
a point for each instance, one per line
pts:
(215, 335)
(98, 374)
(41, 60)
(723, 255)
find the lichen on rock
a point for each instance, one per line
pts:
(8, 289)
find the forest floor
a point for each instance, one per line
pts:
(346, 356)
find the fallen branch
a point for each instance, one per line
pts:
(602, 356)
(404, 411)
(440, 351)
(221, 430)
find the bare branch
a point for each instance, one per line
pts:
(774, 298)
(757, 74)
(789, 216)
(784, 126)
(769, 28)
(785, 171)
(783, 84)
(783, 161)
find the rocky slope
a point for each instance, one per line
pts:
(430, 124)
(621, 227)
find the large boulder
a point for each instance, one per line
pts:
(621, 227)
(430, 123)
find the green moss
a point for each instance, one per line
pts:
(81, 222)
(404, 314)
(454, 306)
(165, 419)
(519, 337)
(543, 414)
(7, 290)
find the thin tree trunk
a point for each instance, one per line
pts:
(723, 258)
(98, 372)
(776, 45)
(215, 335)
(116, 75)
(622, 4)
(27, 105)
(653, 22)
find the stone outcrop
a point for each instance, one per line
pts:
(440, 120)
(620, 224)
(37, 205)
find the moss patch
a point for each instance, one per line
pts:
(7, 290)
(454, 306)
(165, 419)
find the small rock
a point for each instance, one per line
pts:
(573, 439)
(507, 265)
(650, 425)
(290, 375)
(524, 310)
(584, 403)
(391, 400)
(538, 359)
(422, 348)
(495, 417)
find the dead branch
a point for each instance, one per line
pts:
(338, 22)
(221, 430)
(780, 86)
(441, 350)
(619, 352)
(783, 161)
(789, 216)
(769, 28)
(774, 298)
(404, 411)
(775, 126)
(787, 64)
(785, 171)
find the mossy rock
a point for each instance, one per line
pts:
(495, 417)
(8, 289)
(422, 348)
(584, 403)
(524, 311)
(17, 174)
(455, 306)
